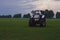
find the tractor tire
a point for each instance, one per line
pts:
(42, 24)
(31, 23)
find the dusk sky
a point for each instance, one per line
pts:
(25, 6)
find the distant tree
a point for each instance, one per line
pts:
(49, 13)
(27, 15)
(5, 16)
(42, 11)
(9, 16)
(17, 16)
(58, 15)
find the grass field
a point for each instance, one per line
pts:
(18, 29)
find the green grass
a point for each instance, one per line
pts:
(18, 29)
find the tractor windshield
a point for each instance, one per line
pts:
(36, 16)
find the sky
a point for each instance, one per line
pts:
(11, 7)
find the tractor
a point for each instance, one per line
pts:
(37, 18)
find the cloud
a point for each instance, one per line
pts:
(25, 6)
(47, 4)
(15, 6)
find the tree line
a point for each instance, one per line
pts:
(48, 13)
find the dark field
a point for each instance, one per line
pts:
(18, 29)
